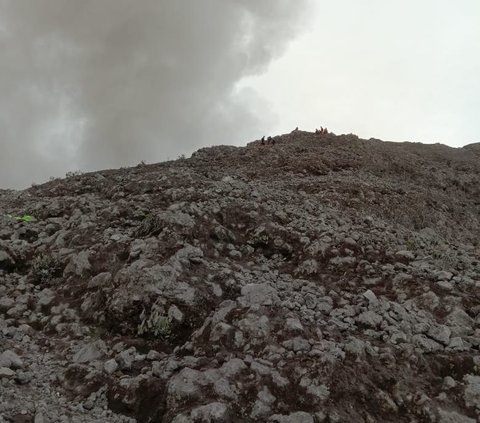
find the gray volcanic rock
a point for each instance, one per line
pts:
(90, 352)
(10, 359)
(320, 279)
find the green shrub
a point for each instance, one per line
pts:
(155, 324)
(410, 244)
(45, 268)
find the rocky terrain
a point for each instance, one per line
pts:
(321, 279)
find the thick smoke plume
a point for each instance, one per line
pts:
(106, 83)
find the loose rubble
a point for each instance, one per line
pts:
(327, 279)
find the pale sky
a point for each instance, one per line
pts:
(95, 84)
(395, 70)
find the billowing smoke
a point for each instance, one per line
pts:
(93, 84)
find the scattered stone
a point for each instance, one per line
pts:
(318, 392)
(175, 314)
(370, 319)
(453, 417)
(23, 378)
(214, 412)
(110, 366)
(457, 344)
(404, 255)
(294, 325)
(185, 386)
(79, 264)
(371, 297)
(45, 297)
(90, 352)
(445, 285)
(10, 359)
(297, 344)
(440, 333)
(296, 417)
(444, 275)
(155, 355)
(449, 382)
(472, 391)
(262, 407)
(426, 344)
(126, 358)
(39, 418)
(7, 373)
(258, 294)
(5, 304)
(460, 322)
(101, 280)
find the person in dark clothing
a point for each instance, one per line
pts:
(263, 140)
(319, 131)
(269, 140)
(325, 131)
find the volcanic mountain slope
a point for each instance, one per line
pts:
(320, 279)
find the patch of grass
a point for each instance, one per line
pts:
(446, 260)
(156, 324)
(410, 244)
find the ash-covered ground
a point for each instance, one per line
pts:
(320, 279)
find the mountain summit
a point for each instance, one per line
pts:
(316, 279)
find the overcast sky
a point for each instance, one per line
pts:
(96, 84)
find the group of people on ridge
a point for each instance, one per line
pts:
(321, 131)
(268, 141)
(271, 141)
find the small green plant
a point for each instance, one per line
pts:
(24, 218)
(156, 324)
(45, 268)
(410, 244)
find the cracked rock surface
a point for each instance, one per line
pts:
(328, 279)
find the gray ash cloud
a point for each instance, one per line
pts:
(97, 84)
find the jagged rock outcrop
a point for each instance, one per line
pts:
(321, 279)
